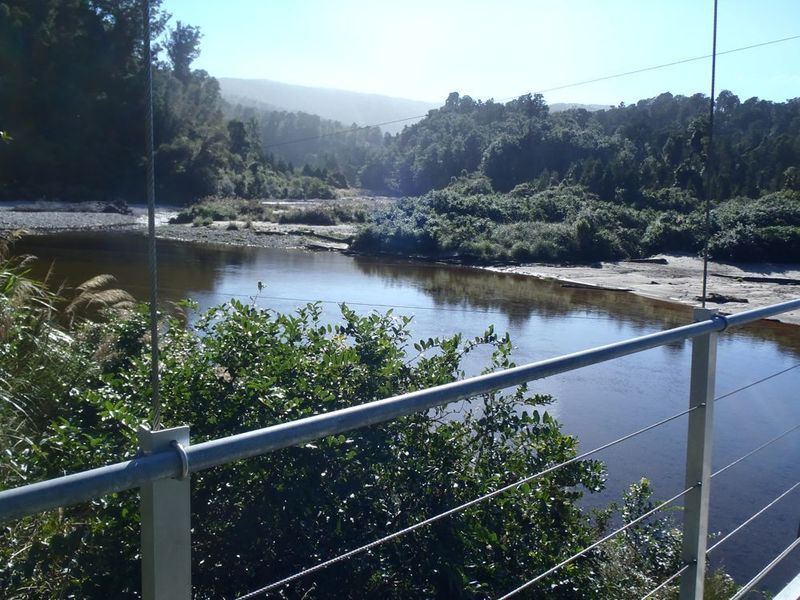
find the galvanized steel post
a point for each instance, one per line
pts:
(166, 522)
(698, 459)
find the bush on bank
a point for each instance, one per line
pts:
(74, 389)
(566, 223)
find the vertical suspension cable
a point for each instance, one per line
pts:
(151, 220)
(709, 156)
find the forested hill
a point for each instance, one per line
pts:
(616, 153)
(333, 104)
(72, 104)
(301, 138)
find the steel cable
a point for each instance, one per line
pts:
(602, 540)
(709, 159)
(151, 221)
(459, 508)
(666, 582)
(753, 517)
(761, 447)
(755, 383)
(750, 584)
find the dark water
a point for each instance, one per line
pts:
(597, 404)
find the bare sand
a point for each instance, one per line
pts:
(680, 280)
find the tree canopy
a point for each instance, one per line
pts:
(72, 101)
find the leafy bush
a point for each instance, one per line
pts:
(73, 400)
(563, 223)
(315, 215)
(222, 209)
(767, 228)
(243, 368)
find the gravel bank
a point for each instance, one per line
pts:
(48, 222)
(264, 235)
(680, 280)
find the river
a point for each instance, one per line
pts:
(596, 404)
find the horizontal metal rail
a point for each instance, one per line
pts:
(80, 487)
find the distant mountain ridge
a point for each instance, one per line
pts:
(562, 106)
(339, 105)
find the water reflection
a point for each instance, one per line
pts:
(184, 269)
(520, 297)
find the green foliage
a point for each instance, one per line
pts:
(557, 224)
(73, 79)
(244, 368)
(330, 150)
(213, 209)
(223, 209)
(764, 229)
(628, 153)
(71, 400)
(326, 214)
(568, 223)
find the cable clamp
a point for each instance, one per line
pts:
(723, 319)
(184, 459)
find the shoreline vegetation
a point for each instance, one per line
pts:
(76, 385)
(323, 225)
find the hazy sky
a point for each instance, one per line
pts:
(424, 49)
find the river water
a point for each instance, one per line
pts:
(597, 404)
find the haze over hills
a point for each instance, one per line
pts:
(340, 105)
(562, 106)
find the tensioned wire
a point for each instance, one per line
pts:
(606, 538)
(709, 159)
(755, 515)
(457, 509)
(461, 507)
(752, 452)
(602, 540)
(742, 525)
(151, 221)
(546, 90)
(751, 584)
(755, 383)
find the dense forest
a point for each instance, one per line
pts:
(72, 101)
(333, 150)
(513, 182)
(618, 153)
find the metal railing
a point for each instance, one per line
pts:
(166, 459)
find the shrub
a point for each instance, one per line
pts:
(315, 215)
(240, 370)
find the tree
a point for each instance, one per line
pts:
(183, 48)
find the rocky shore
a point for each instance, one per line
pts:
(731, 287)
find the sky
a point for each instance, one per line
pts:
(425, 49)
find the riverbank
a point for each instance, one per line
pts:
(237, 233)
(732, 287)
